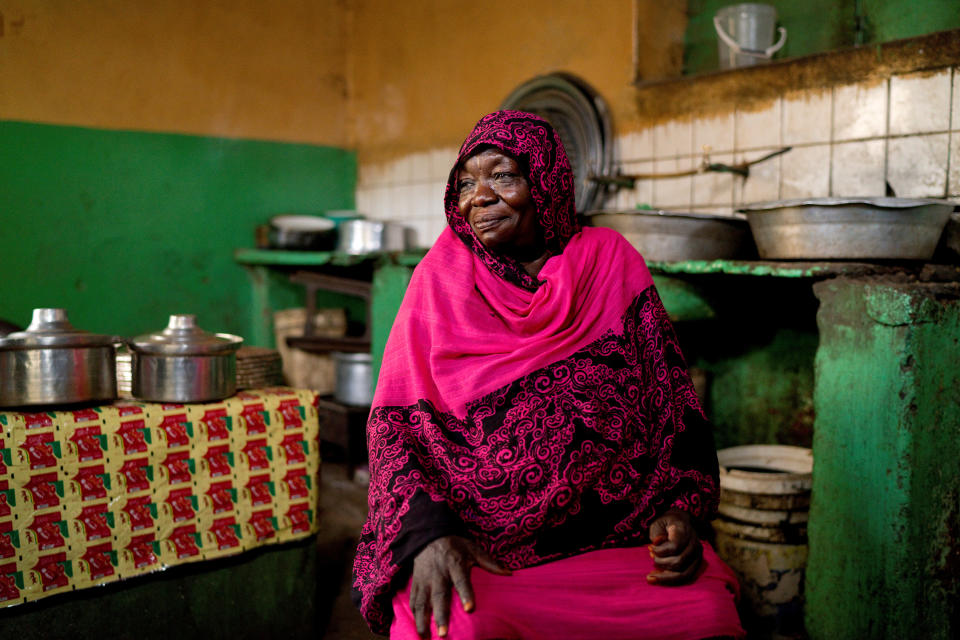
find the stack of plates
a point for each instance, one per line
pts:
(258, 367)
(124, 374)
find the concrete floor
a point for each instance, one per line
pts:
(343, 507)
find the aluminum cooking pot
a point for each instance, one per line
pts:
(357, 237)
(354, 378)
(184, 363)
(51, 363)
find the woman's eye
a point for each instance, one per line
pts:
(504, 175)
(465, 185)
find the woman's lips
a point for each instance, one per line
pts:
(486, 223)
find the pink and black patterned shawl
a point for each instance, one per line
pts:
(541, 417)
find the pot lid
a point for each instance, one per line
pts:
(582, 120)
(183, 337)
(50, 328)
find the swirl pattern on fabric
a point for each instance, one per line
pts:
(541, 417)
(602, 441)
(536, 144)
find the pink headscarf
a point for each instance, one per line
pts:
(542, 417)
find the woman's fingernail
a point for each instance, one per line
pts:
(468, 606)
(442, 631)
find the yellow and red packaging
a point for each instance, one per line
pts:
(121, 490)
(183, 544)
(222, 537)
(11, 584)
(99, 564)
(139, 555)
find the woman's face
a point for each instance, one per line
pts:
(495, 200)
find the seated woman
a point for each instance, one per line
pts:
(540, 463)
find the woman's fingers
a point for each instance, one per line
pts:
(443, 563)
(419, 606)
(460, 576)
(675, 549)
(678, 569)
(440, 602)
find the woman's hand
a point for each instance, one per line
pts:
(675, 549)
(443, 563)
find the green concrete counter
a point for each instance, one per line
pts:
(858, 361)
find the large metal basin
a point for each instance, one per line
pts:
(848, 228)
(672, 236)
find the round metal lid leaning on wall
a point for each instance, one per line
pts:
(581, 118)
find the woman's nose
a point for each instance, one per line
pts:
(484, 194)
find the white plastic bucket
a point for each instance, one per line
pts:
(745, 34)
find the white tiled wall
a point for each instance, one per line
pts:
(849, 140)
(408, 190)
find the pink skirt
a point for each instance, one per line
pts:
(600, 594)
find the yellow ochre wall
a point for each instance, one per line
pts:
(268, 70)
(378, 76)
(424, 72)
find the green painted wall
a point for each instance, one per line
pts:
(124, 228)
(885, 20)
(817, 26)
(884, 529)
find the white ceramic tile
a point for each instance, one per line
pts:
(715, 131)
(398, 203)
(953, 175)
(420, 166)
(364, 198)
(673, 138)
(955, 109)
(371, 174)
(636, 145)
(806, 117)
(672, 193)
(857, 169)
(758, 129)
(643, 145)
(441, 161)
(642, 192)
(763, 183)
(399, 171)
(805, 172)
(920, 103)
(380, 207)
(415, 195)
(422, 201)
(437, 191)
(917, 166)
(714, 188)
(364, 175)
(860, 111)
(378, 203)
(421, 231)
